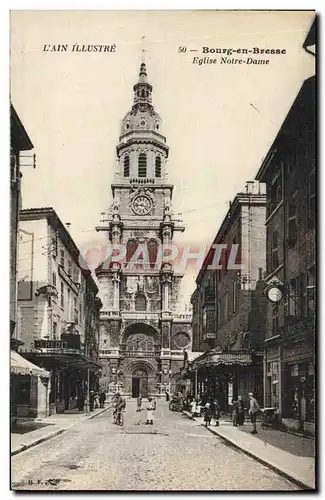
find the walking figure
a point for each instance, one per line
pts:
(150, 409)
(207, 414)
(139, 403)
(102, 397)
(254, 409)
(241, 411)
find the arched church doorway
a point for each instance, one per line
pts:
(139, 384)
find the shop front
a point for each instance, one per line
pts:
(29, 389)
(226, 375)
(71, 374)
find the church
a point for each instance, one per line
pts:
(143, 335)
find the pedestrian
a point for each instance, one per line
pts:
(102, 398)
(150, 410)
(96, 400)
(235, 413)
(91, 400)
(241, 411)
(139, 403)
(167, 395)
(216, 411)
(207, 414)
(193, 407)
(254, 409)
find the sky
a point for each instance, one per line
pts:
(219, 119)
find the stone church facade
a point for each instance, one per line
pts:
(142, 334)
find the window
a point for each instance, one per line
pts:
(70, 268)
(142, 165)
(158, 166)
(311, 199)
(311, 284)
(54, 246)
(54, 278)
(140, 302)
(54, 330)
(62, 295)
(75, 306)
(126, 166)
(76, 275)
(292, 219)
(303, 295)
(22, 396)
(152, 252)
(234, 296)
(131, 248)
(62, 258)
(226, 299)
(294, 297)
(274, 248)
(69, 304)
(275, 319)
(274, 194)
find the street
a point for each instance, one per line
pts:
(173, 454)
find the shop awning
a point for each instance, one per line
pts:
(231, 358)
(21, 366)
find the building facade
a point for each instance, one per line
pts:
(229, 306)
(289, 171)
(141, 337)
(27, 381)
(58, 309)
(19, 142)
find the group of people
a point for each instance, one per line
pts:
(210, 408)
(239, 411)
(119, 405)
(96, 400)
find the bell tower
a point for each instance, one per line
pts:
(140, 292)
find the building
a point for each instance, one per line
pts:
(141, 338)
(23, 374)
(228, 304)
(19, 142)
(289, 171)
(59, 310)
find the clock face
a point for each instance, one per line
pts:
(274, 294)
(141, 205)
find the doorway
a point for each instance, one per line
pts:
(139, 384)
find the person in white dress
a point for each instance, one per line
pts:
(150, 410)
(193, 407)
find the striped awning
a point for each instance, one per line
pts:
(214, 358)
(21, 366)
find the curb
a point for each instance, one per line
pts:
(271, 466)
(25, 447)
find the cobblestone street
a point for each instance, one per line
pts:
(173, 454)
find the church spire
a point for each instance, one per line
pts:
(142, 89)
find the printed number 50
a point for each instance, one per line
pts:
(182, 50)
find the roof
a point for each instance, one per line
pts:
(303, 108)
(19, 139)
(54, 220)
(21, 366)
(241, 199)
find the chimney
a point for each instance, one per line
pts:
(249, 187)
(68, 224)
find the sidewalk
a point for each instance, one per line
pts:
(28, 434)
(290, 455)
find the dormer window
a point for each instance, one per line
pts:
(126, 166)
